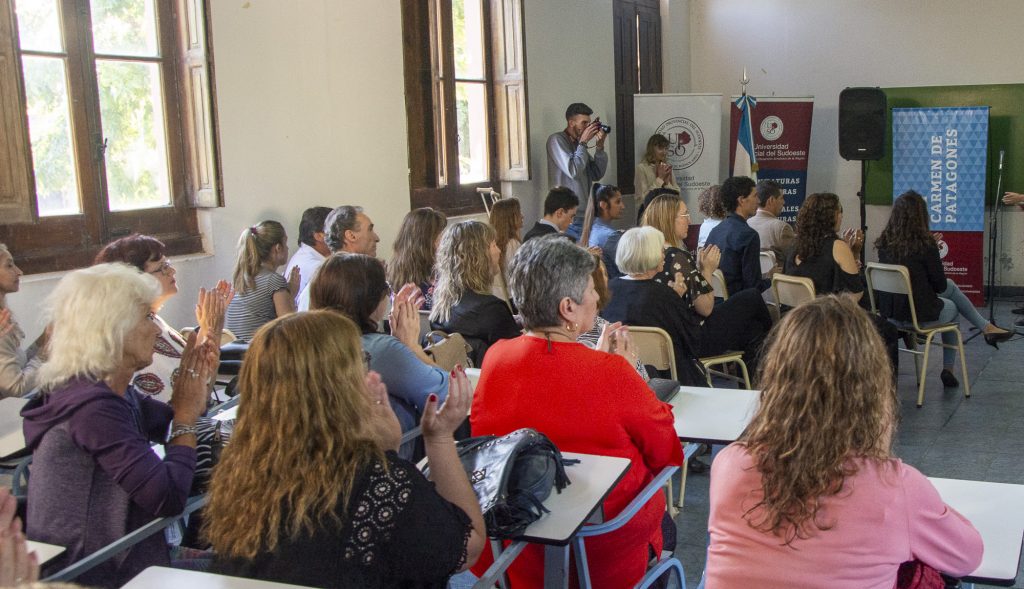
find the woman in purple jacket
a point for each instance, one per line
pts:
(95, 476)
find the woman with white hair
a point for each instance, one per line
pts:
(638, 299)
(95, 476)
(17, 366)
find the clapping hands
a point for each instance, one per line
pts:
(440, 424)
(17, 564)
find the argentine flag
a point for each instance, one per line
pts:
(745, 163)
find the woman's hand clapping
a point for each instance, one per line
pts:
(383, 423)
(440, 424)
(191, 381)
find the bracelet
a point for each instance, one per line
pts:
(178, 430)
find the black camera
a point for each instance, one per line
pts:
(604, 128)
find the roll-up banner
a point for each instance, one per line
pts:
(692, 123)
(942, 153)
(782, 141)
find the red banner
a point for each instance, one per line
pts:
(961, 253)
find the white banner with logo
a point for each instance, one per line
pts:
(692, 123)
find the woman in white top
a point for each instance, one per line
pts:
(653, 171)
(507, 221)
(714, 213)
(17, 366)
(148, 255)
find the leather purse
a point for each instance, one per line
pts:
(448, 350)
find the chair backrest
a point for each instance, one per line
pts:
(718, 283)
(424, 324)
(655, 347)
(792, 290)
(767, 262)
(892, 279)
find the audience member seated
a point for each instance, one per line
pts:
(507, 221)
(311, 492)
(261, 293)
(907, 241)
(604, 334)
(775, 234)
(467, 261)
(818, 252)
(585, 400)
(312, 246)
(638, 300)
(415, 248)
(811, 494)
(559, 209)
(148, 255)
(95, 476)
(17, 367)
(649, 198)
(347, 229)
(740, 245)
(710, 206)
(603, 207)
(654, 171)
(354, 285)
(737, 324)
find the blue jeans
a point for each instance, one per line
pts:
(954, 305)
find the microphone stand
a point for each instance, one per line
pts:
(993, 242)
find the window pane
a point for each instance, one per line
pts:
(468, 38)
(124, 27)
(471, 109)
(39, 25)
(131, 107)
(49, 126)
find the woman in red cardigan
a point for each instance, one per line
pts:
(589, 401)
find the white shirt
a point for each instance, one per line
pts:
(308, 260)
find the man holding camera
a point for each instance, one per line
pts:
(569, 162)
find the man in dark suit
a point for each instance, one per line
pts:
(740, 245)
(559, 208)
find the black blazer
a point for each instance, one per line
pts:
(927, 278)
(482, 319)
(537, 230)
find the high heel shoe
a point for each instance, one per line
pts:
(993, 339)
(948, 380)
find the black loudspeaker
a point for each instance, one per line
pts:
(862, 123)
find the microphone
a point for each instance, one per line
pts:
(1002, 153)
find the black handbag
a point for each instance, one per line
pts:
(511, 475)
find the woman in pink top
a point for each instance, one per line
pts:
(811, 495)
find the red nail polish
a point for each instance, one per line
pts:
(432, 398)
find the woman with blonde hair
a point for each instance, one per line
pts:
(17, 367)
(261, 294)
(414, 251)
(507, 221)
(95, 476)
(654, 171)
(467, 260)
(310, 490)
(811, 494)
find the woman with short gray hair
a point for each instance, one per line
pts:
(545, 379)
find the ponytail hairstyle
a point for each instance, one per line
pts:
(599, 193)
(254, 247)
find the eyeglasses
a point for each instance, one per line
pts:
(367, 358)
(687, 215)
(164, 268)
(151, 316)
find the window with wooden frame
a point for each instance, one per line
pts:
(637, 40)
(107, 126)
(465, 83)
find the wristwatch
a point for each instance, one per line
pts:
(181, 430)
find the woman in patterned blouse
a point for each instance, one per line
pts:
(739, 323)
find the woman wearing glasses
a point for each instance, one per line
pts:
(739, 323)
(148, 255)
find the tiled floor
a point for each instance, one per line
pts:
(981, 438)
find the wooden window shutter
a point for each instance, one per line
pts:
(202, 152)
(510, 108)
(17, 183)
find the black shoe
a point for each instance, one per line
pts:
(948, 380)
(1018, 310)
(697, 467)
(993, 339)
(1018, 323)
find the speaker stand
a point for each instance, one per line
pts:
(862, 195)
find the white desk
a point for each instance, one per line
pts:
(474, 376)
(44, 552)
(716, 416)
(167, 578)
(12, 437)
(997, 512)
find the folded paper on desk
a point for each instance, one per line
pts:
(512, 475)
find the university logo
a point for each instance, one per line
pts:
(685, 141)
(771, 128)
(943, 248)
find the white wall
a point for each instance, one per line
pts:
(818, 47)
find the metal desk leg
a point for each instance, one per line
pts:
(556, 567)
